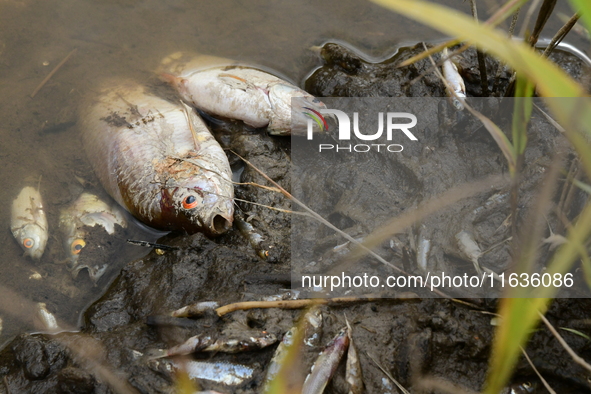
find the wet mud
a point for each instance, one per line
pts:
(408, 336)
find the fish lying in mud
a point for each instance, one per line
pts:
(158, 160)
(75, 223)
(29, 223)
(259, 99)
(326, 364)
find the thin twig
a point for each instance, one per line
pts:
(385, 372)
(560, 34)
(6, 385)
(531, 364)
(481, 58)
(576, 358)
(440, 385)
(38, 88)
(543, 15)
(502, 63)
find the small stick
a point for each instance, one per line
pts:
(289, 304)
(576, 358)
(401, 387)
(151, 245)
(38, 88)
(550, 389)
(559, 36)
(6, 385)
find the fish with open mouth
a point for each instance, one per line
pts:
(77, 221)
(158, 160)
(222, 88)
(28, 222)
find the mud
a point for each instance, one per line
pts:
(410, 338)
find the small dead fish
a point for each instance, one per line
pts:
(255, 239)
(86, 212)
(196, 310)
(158, 160)
(468, 246)
(28, 222)
(520, 388)
(46, 319)
(353, 374)
(423, 249)
(205, 343)
(259, 99)
(311, 324)
(220, 372)
(279, 358)
(288, 295)
(326, 364)
(1, 327)
(241, 345)
(455, 80)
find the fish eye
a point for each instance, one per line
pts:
(190, 202)
(526, 385)
(28, 243)
(77, 246)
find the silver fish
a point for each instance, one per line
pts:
(222, 88)
(326, 364)
(195, 310)
(87, 211)
(205, 343)
(469, 249)
(28, 222)
(455, 81)
(219, 372)
(158, 160)
(353, 374)
(46, 319)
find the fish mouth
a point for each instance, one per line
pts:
(219, 224)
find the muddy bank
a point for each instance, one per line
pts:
(407, 337)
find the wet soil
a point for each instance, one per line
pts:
(409, 337)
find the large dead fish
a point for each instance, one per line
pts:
(220, 87)
(158, 160)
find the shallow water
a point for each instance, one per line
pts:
(127, 38)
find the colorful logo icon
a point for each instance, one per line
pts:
(317, 117)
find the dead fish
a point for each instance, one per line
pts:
(86, 212)
(326, 364)
(195, 310)
(278, 358)
(1, 326)
(220, 372)
(469, 248)
(259, 99)
(158, 160)
(28, 222)
(454, 80)
(311, 324)
(46, 319)
(255, 239)
(206, 343)
(353, 374)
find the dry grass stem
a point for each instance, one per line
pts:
(579, 360)
(544, 382)
(48, 77)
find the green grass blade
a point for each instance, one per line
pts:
(584, 8)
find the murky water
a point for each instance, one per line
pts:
(127, 38)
